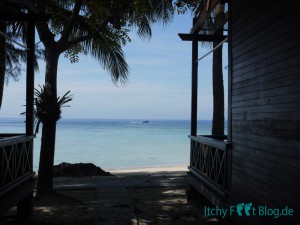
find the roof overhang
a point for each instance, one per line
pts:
(199, 22)
(20, 10)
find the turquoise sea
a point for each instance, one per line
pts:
(116, 144)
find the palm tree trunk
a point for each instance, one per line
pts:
(45, 174)
(2, 60)
(218, 84)
(218, 93)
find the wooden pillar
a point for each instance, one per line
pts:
(229, 123)
(30, 78)
(25, 210)
(25, 206)
(194, 85)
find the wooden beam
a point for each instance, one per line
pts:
(10, 10)
(30, 78)
(202, 37)
(24, 17)
(220, 25)
(205, 13)
(28, 4)
(211, 141)
(14, 193)
(6, 7)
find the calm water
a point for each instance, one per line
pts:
(114, 144)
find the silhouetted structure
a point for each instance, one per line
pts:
(16, 174)
(258, 162)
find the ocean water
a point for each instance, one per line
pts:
(116, 144)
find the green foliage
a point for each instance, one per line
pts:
(72, 53)
(44, 111)
(101, 28)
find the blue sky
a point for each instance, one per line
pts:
(159, 86)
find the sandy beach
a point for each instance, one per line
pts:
(182, 167)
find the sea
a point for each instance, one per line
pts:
(116, 144)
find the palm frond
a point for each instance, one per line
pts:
(15, 57)
(62, 101)
(110, 55)
(163, 10)
(144, 29)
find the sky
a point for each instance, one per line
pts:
(159, 85)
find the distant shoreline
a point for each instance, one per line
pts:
(154, 169)
(114, 119)
(181, 167)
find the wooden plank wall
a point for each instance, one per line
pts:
(266, 106)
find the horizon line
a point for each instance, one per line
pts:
(141, 119)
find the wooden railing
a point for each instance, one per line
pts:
(208, 161)
(15, 160)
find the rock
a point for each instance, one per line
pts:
(78, 170)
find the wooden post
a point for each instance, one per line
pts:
(25, 209)
(25, 206)
(30, 77)
(229, 122)
(194, 84)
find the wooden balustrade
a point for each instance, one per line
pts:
(16, 174)
(209, 161)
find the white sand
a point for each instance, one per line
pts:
(151, 169)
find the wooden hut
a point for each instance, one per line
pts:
(16, 172)
(258, 163)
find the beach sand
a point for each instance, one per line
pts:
(182, 167)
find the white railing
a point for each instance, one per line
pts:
(15, 159)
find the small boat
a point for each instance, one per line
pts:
(146, 121)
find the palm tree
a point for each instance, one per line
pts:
(12, 57)
(98, 28)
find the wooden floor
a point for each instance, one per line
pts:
(135, 198)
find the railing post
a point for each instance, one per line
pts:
(194, 92)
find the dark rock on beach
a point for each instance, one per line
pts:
(78, 170)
